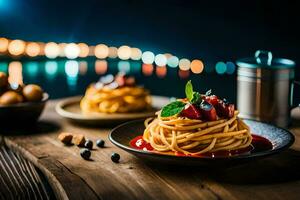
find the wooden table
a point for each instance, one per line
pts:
(276, 177)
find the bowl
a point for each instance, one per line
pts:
(22, 113)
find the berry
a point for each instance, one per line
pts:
(115, 157)
(85, 154)
(212, 99)
(100, 143)
(225, 109)
(88, 144)
(230, 110)
(191, 112)
(208, 111)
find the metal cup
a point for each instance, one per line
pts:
(265, 88)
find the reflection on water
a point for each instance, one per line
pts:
(101, 67)
(3, 66)
(124, 66)
(51, 69)
(183, 74)
(62, 78)
(161, 72)
(72, 70)
(147, 69)
(32, 68)
(83, 67)
(15, 71)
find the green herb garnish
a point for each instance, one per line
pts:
(177, 106)
(172, 109)
(189, 90)
(196, 98)
(193, 97)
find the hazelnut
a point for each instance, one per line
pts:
(10, 97)
(65, 137)
(3, 80)
(79, 140)
(33, 92)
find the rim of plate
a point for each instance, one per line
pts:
(242, 156)
(101, 116)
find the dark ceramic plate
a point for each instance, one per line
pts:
(23, 113)
(281, 139)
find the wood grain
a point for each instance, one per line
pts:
(277, 177)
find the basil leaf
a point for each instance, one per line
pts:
(172, 109)
(189, 90)
(196, 98)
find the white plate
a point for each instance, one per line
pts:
(70, 109)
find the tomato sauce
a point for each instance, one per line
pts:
(258, 144)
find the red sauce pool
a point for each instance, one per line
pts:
(258, 144)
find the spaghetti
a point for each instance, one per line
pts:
(125, 99)
(190, 136)
(197, 124)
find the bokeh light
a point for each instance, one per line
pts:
(51, 68)
(168, 55)
(33, 49)
(124, 52)
(135, 67)
(3, 45)
(147, 69)
(15, 73)
(16, 47)
(72, 68)
(92, 50)
(3, 67)
(221, 67)
(32, 68)
(161, 72)
(112, 52)
(136, 54)
(72, 51)
(173, 61)
(62, 47)
(197, 66)
(183, 74)
(101, 51)
(84, 50)
(100, 67)
(148, 57)
(52, 50)
(124, 66)
(83, 67)
(184, 64)
(42, 48)
(230, 67)
(160, 60)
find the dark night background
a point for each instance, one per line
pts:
(209, 30)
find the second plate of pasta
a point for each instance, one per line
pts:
(70, 109)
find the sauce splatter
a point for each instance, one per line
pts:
(258, 144)
(139, 143)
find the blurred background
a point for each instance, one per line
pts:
(65, 45)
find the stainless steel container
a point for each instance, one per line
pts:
(265, 88)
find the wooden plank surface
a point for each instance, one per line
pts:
(277, 177)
